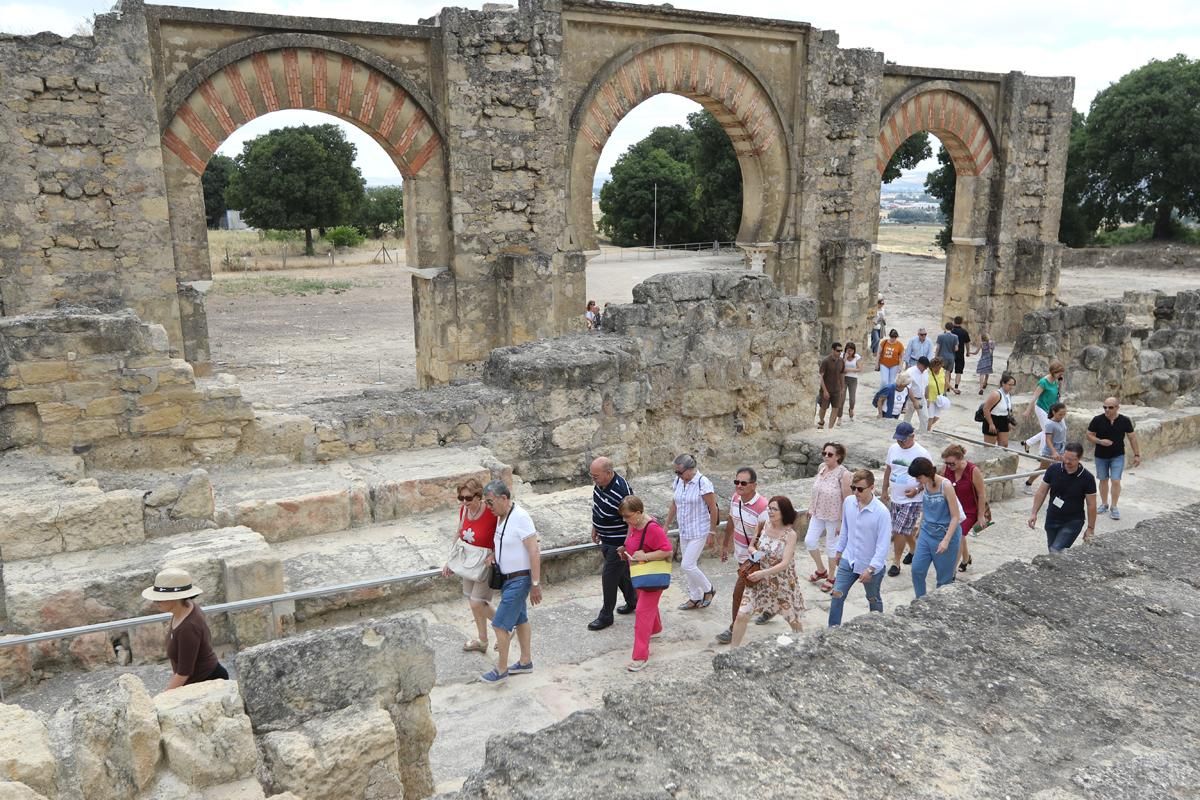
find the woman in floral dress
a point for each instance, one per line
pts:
(775, 588)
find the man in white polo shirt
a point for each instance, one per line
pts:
(747, 508)
(906, 511)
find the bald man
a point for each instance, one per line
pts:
(1108, 431)
(609, 531)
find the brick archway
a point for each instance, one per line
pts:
(723, 83)
(301, 78)
(948, 114)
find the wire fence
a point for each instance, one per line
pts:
(610, 253)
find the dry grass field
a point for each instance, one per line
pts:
(917, 240)
(249, 251)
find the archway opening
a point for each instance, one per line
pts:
(666, 197)
(912, 236)
(291, 326)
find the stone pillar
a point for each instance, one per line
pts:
(839, 208)
(506, 134)
(193, 267)
(1035, 127)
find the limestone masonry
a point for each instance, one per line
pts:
(496, 119)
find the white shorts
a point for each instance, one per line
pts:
(818, 526)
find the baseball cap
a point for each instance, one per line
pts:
(903, 431)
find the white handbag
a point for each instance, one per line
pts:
(469, 561)
(941, 402)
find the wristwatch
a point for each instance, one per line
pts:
(537, 583)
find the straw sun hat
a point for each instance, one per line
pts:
(171, 584)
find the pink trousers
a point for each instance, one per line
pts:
(646, 623)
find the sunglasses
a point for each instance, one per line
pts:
(466, 498)
(1109, 408)
(741, 483)
(829, 454)
(861, 488)
(680, 471)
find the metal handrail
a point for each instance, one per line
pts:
(306, 594)
(254, 602)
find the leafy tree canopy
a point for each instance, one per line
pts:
(297, 178)
(913, 151)
(215, 179)
(940, 184)
(382, 208)
(1142, 150)
(699, 186)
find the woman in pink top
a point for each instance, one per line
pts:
(829, 491)
(647, 541)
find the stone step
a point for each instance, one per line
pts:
(295, 501)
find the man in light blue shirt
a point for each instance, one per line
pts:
(862, 546)
(919, 345)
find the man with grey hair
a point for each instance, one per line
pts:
(695, 506)
(609, 531)
(519, 563)
(918, 347)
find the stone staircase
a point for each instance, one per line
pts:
(248, 532)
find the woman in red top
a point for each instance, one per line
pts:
(647, 541)
(476, 526)
(972, 495)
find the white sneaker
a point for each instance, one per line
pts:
(1028, 489)
(1102, 508)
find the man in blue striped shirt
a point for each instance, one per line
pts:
(609, 531)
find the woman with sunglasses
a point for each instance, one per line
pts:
(774, 587)
(829, 491)
(852, 362)
(476, 527)
(971, 491)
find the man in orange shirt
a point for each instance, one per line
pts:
(891, 351)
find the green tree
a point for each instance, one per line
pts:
(1079, 218)
(382, 208)
(718, 180)
(913, 151)
(1142, 149)
(215, 179)
(940, 184)
(627, 201)
(297, 179)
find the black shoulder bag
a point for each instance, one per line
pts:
(497, 578)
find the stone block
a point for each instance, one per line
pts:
(107, 406)
(16, 666)
(305, 515)
(195, 497)
(25, 751)
(376, 663)
(708, 403)
(247, 575)
(106, 518)
(575, 434)
(349, 754)
(160, 419)
(206, 735)
(18, 791)
(109, 737)
(35, 372)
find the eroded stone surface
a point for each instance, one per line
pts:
(206, 734)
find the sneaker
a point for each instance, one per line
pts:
(1114, 513)
(1102, 508)
(725, 636)
(493, 677)
(893, 570)
(1028, 488)
(907, 558)
(763, 618)
(520, 669)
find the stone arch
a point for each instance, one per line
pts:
(720, 80)
(279, 72)
(950, 112)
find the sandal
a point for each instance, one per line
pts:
(827, 586)
(817, 577)
(474, 646)
(706, 601)
(690, 605)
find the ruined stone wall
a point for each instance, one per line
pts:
(1141, 349)
(85, 216)
(105, 386)
(341, 714)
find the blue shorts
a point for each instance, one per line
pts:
(511, 611)
(1107, 468)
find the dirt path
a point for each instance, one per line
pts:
(286, 348)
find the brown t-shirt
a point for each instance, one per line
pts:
(833, 373)
(189, 647)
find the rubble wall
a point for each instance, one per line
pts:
(1144, 348)
(1037, 680)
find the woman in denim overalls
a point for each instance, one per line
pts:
(940, 517)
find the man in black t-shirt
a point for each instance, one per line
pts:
(1072, 491)
(960, 355)
(1108, 431)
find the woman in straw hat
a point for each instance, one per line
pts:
(189, 643)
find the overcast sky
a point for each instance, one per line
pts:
(1096, 41)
